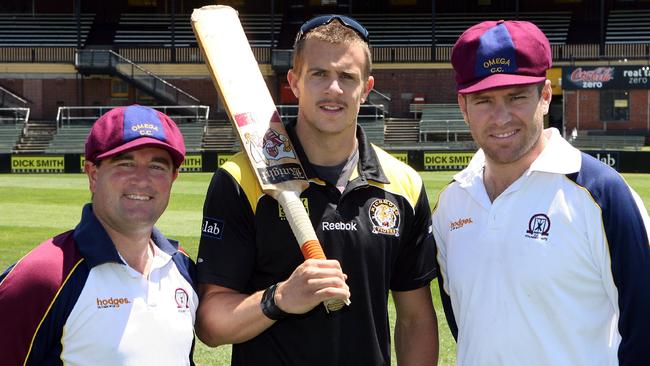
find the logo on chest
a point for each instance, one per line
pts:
(455, 225)
(112, 302)
(339, 226)
(538, 227)
(384, 216)
(182, 299)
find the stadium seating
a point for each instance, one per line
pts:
(628, 26)
(193, 135)
(36, 137)
(9, 134)
(43, 30)
(154, 30)
(74, 124)
(374, 129)
(608, 142)
(72, 139)
(402, 132)
(219, 136)
(69, 139)
(554, 24)
(443, 122)
(408, 30)
(442, 127)
(397, 30)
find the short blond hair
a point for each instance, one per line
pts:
(336, 33)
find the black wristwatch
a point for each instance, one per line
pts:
(269, 307)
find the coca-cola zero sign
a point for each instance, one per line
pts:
(606, 77)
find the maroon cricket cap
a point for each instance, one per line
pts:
(500, 53)
(127, 128)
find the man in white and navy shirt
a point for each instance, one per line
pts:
(113, 291)
(543, 250)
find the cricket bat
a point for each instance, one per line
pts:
(254, 116)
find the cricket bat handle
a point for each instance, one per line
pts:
(304, 231)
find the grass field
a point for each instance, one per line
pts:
(35, 207)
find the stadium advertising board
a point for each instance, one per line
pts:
(192, 163)
(222, 158)
(606, 77)
(37, 164)
(446, 161)
(402, 156)
(622, 161)
(610, 158)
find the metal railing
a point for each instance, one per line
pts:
(71, 116)
(15, 115)
(394, 54)
(9, 99)
(111, 61)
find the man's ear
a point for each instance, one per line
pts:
(462, 104)
(547, 95)
(91, 171)
(368, 87)
(293, 79)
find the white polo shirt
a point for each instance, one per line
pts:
(124, 318)
(530, 276)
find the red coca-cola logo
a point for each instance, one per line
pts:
(601, 74)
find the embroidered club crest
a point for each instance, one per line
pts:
(384, 216)
(182, 299)
(538, 227)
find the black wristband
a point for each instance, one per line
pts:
(269, 307)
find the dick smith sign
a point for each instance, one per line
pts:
(606, 77)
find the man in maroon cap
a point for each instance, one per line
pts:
(543, 249)
(114, 290)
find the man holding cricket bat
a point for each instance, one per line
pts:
(371, 215)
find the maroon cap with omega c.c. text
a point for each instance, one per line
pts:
(126, 128)
(495, 54)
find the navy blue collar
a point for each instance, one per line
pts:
(97, 247)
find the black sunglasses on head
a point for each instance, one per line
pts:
(326, 19)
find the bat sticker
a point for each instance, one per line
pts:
(281, 173)
(273, 146)
(243, 119)
(277, 146)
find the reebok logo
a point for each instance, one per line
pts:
(112, 302)
(460, 223)
(345, 226)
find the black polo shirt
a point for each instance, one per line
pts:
(379, 228)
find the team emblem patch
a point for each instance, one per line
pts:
(182, 299)
(538, 227)
(384, 216)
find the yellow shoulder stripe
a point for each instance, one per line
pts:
(240, 169)
(404, 181)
